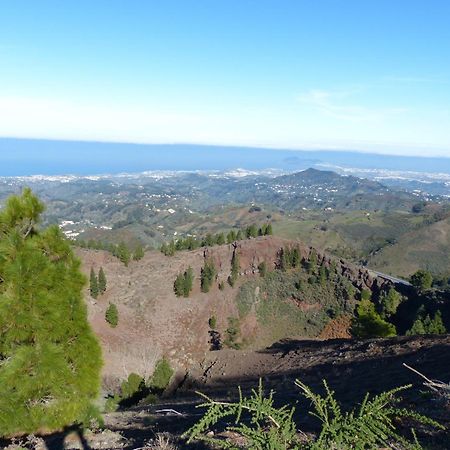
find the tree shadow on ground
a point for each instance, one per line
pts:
(57, 441)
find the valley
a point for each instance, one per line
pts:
(359, 219)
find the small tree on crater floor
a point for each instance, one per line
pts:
(112, 315)
(101, 281)
(93, 284)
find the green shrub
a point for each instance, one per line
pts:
(389, 302)
(207, 276)
(183, 283)
(112, 404)
(259, 424)
(112, 315)
(369, 324)
(212, 322)
(138, 253)
(422, 279)
(233, 333)
(161, 376)
(427, 325)
(262, 267)
(132, 385)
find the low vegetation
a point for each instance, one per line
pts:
(136, 389)
(258, 423)
(121, 251)
(183, 284)
(299, 298)
(191, 243)
(233, 334)
(161, 376)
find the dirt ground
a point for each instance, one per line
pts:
(350, 367)
(154, 322)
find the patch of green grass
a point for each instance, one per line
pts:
(293, 303)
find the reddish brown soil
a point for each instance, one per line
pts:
(337, 328)
(152, 320)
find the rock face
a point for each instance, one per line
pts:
(254, 251)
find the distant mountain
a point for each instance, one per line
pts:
(353, 217)
(154, 205)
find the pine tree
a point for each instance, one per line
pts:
(188, 281)
(284, 262)
(183, 283)
(369, 324)
(390, 302)
(123, 253)
(323, 275)
(138, 253)
(93, 284)
(231, 237)
(312, 263)
(207, 276)
(209, 240)
(50, 359)
(422, 279)
(295, 257)
(112, 315)
(268, 230)
(262, 267)
(417, 328)
(251, 231)
(235, 267)
(435, 325)
(101, 281)
(178, 285)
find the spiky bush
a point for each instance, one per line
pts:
(263, 426)
(49, 358)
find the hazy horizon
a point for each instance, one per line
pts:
(23, 157)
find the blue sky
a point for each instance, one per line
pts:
(362, 75)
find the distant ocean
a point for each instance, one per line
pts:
(20, 157)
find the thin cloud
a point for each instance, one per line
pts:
(335, 104)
